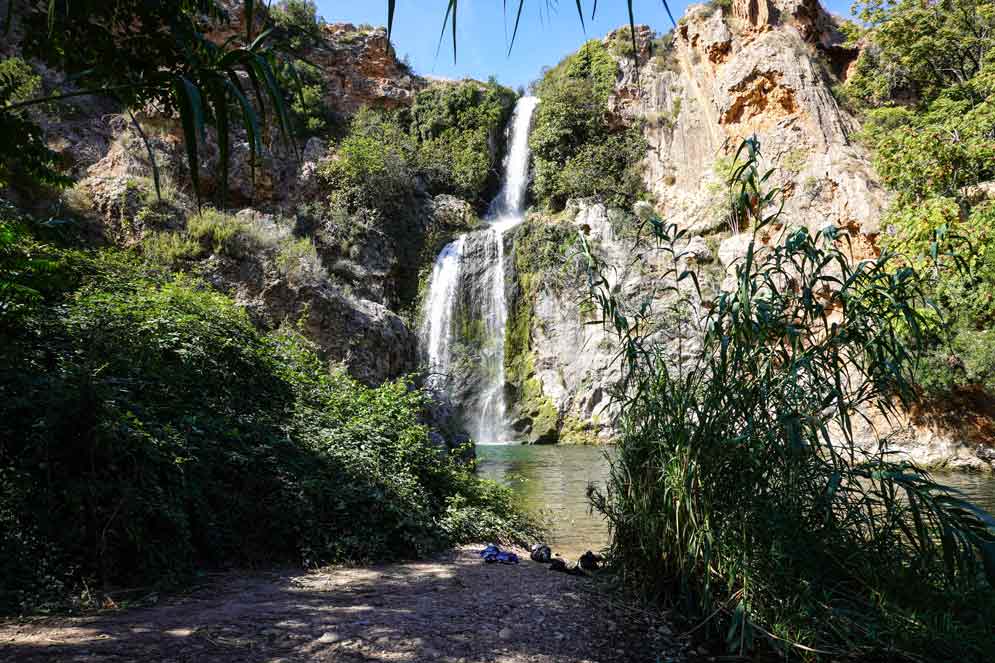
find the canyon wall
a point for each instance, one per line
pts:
(764, 69)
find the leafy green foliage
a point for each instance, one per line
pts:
(298, 260)
(171, 249)
(158, 53)
(25, 158)
(300, 19)
(449, 142)
(458, 127)
(148, 429)
(224, 233)
(445, 140)
(375, 165)
(20, 80)
(926, 84)
(934, 152)
(305, 96)
(297, 27)
(929, 48)
(962, 281)
(24, 266)
(577, 151)
(738, 486)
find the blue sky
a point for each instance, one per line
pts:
(543, 40)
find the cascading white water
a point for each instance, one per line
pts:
(506, 211)
(439, 311)
(510, 201)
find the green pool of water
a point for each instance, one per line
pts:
(554, 479)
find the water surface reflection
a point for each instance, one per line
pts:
(554, 479)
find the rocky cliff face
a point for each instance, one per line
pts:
(766, 69)
(362, 70)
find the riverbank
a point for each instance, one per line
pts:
(450, 608)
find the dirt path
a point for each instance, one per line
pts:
(453, 608)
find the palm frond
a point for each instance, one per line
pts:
(192, 118)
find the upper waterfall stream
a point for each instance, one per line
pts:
(489, 311)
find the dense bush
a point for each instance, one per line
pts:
(577, 151)
(459, 128)
(306, 92)
(926, 86)
(299, 18)
(375, 166)
(449, 141)
(25, 158)
(148, 429)
(739, 490)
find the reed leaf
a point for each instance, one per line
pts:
(738, 486)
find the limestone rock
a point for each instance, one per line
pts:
(755, 12)
(725, 79)
(371, 341)
(575, 361)
(361, 69)
(733, 249)
(697, 249)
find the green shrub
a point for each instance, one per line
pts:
(738, 489)
(961, 284)
(299, 19)
(170, 249)
(227, 234)
(298, 260)
(929, 118)
(19, 80)
(603, 169)
(449, 142)
(148, 429)
(445, 140)
(457, 127)
(25, 265)
(621, 46)
(577, 152)
(25, 159)
(375, 165)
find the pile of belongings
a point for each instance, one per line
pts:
(492, 554)
(587, 562)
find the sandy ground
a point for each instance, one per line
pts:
(453, 609)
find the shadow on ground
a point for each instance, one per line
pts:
(452, 609)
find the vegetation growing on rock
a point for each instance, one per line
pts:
(926, 86)
(542, 247)
(578, 150)
(449, 142)
(150, 429)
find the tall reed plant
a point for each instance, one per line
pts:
(739, 489)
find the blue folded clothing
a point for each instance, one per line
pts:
(492, 554)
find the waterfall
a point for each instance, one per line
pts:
(439, 311)
(452, 272)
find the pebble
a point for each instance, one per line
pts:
(329, 636)
(505, 633)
